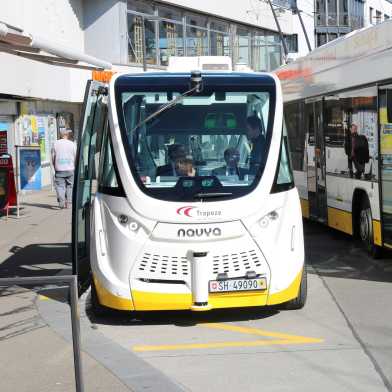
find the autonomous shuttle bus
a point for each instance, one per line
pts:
(184, 195)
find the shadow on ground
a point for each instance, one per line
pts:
(38, 260)
(181, 318)
(331, 253)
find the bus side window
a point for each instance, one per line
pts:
(284, 176)
(109, 182)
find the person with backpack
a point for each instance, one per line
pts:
(357, 150)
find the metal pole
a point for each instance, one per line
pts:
(144, 45)
(73, 289)
(286, 52)
(298, 12)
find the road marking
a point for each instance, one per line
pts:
(281, 339)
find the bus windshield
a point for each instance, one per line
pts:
(208, 146)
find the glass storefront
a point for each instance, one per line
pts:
(156, 32)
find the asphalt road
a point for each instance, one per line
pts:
(340, 341)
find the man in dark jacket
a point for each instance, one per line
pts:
(232, 157)
(175, 151)
(354, 151)
(257, 138)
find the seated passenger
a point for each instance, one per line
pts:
(184, 167)
(257, 139)
(175, 151)
(232, 157)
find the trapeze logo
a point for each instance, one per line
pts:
(207, 232)
(195, 212)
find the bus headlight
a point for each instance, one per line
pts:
(266, 219)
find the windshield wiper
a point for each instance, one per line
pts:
(206, 195)
(196, 81)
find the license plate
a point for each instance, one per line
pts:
(223, 286)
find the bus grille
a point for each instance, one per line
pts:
(236, 263)
(177, 267)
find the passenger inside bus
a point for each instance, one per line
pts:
(184, 167)
(175, 152)
(256, 136)
(232, 158)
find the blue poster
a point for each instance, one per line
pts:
(30, 168)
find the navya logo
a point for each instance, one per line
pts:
(195, 212)
(201, 232)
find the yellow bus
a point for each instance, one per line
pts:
(338, 114)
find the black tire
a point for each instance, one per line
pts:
(97, 309)
(299, 302)
(365, 229)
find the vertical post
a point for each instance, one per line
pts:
(286, 52)
(298, 12)
(144, 44)
(73, 289)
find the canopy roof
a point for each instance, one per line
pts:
(18, 42)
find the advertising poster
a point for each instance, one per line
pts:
(41, 137)
(26, 131)
(51, 134)
(34, 130)
(65, 120)
(30, 168)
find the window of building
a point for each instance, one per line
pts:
(371, 15)
(170, 13)
(144, 7)
(243, 46)
(219, 39)
(171, 40)
(139, 26)
(196, 36)
(378, 17)
(321, 39)
(156, 32)
(343, 13)
(320, 13)
(332, 12)
(292, 43)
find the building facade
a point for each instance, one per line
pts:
(334, 18)
(36, 99)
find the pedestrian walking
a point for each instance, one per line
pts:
(63, 159)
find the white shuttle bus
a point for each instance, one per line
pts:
(184, 195)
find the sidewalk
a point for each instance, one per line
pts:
(33, 357)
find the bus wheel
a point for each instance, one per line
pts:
(366, 229)
(299, 302)
(97, 309)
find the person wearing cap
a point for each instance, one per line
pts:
(63, 159)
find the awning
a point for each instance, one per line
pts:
(20, 43)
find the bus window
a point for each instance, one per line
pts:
(207, 131)
(295, 130)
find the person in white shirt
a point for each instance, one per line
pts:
(63, 159)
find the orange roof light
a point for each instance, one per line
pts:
(103, 76)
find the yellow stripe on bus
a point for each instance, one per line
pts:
(340, 220)
(305, 208)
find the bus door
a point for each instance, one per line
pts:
(86, 169)
(315, 148)
(385, 121)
